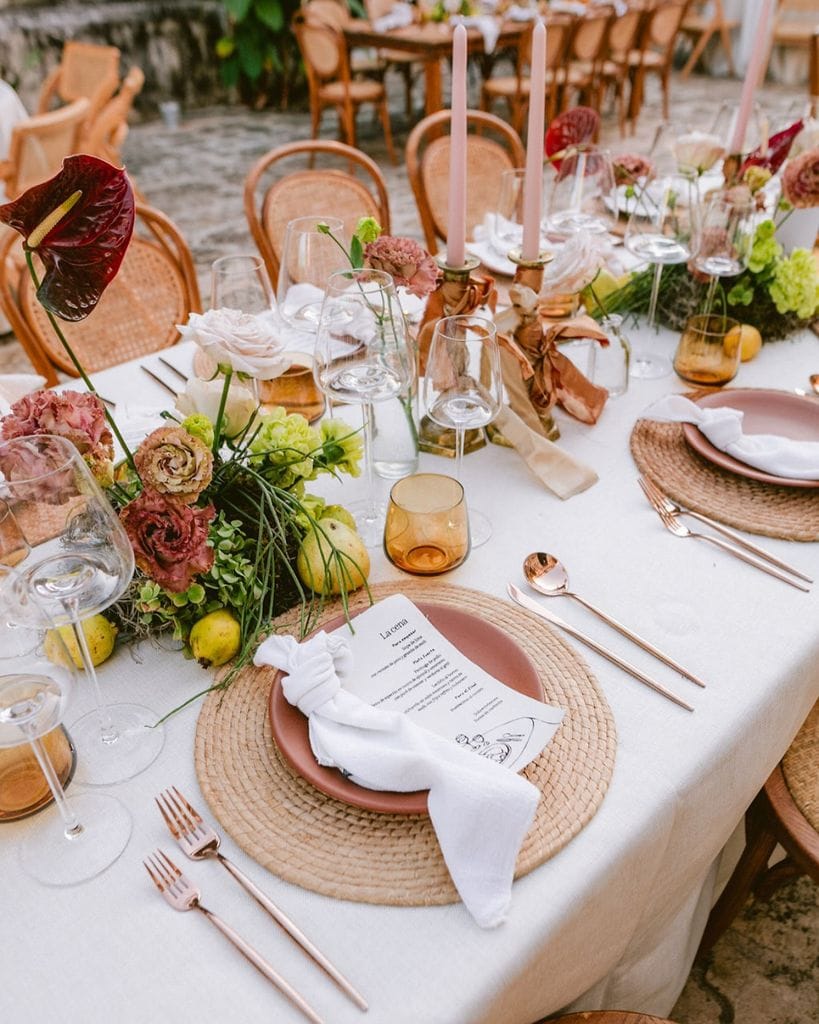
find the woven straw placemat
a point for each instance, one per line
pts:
(327, 846)
(800, 766)
(662, 453)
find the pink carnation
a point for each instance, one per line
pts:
(800, 180)
(630, 167)
(409, 264)
(75, 415)
(170, 541)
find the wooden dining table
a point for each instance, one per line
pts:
(429, 42)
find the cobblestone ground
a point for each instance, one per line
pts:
(765, 970)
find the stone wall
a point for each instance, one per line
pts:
(171, 40)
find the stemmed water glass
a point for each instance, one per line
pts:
(77, 561)
(463, 388)
(308, 258)
(726, 239)
(583, 196)
(663, 229)
(241, 282)
(363, 356)
(34, 692)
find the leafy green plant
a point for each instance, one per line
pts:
(258, 54)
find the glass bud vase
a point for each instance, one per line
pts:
(612, 361)
(395, 426)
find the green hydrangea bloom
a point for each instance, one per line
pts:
(765, 249)
(341, 447)
(795, 285)
(198, 425)
(284, 445)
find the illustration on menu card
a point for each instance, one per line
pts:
(403, 663)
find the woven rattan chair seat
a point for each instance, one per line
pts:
(360, 90)
(801, 768)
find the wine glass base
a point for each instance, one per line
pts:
(370, 528)
(138, 743)
(50, 857)
(480, 528)
(648, 366)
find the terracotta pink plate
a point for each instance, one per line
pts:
(479, 640)
(766, 412)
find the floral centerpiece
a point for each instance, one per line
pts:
(215, 502)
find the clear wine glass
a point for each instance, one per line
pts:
(583, 196)
(663, 229)
(79, 561)
(34, 692)
(507, 225)
(726, 239)
(463, 388)
(363, 356)
(241, 282)
(308, 258)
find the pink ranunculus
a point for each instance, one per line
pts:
(75, 415)
(170, 541)
(174, 463)
(406, 261)
(800, 180)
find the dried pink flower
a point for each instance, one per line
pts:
(75, 415)
(174, 463)
(409, 263)
(800, 180)
(170, 541)
(630, 167)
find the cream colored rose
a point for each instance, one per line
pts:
(697, 152)
(243, 341)
(204, 396)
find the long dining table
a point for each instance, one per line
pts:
(612, 920)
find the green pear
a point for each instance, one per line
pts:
(324, 572)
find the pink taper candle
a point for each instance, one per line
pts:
(753, 75)
(456, 222)
(533, 183)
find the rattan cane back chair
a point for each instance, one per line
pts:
(582, 80)
(329, 78)
(705, 20)
(155, 290)
(86, 71)
(109, 129)
(655, 53)
(352, 188)
(624, 35)
(795, 22)
(514, 89)
(427, 157)
(40, 144)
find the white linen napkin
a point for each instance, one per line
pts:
(399, 16)
(488, 26)
(518, 13)
(480, 810)
(779, 456)
(14, 385)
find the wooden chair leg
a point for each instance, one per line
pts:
(759, 845)
(385, 121)
(406, 71)
(783, 871)
(665, 79)
(697, 52)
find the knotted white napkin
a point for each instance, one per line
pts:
(14, 385)
(779, 456)
(398, 16)
(480, 811)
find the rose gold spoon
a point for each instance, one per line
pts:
(547, 575)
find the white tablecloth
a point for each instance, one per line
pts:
(612, 921)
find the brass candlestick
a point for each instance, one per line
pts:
(460, 291)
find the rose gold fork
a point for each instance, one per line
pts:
(670, 506)
(199, 841)
(183, 895)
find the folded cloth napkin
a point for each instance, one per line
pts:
(564, 475)
(518, 13)
(779, 456)
(488, 26)
(399, 16)
(14, 385)
(480, 811)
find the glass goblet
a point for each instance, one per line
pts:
(79, 562)
(463, 388)
(34, 693)
(726, 239)
(308, 258)
(363, 356)
(507, 225)
(583, 196)
(241, 282)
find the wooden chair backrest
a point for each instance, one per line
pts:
(625, 32)
(798, 8)
(590, 39)
(557, 41)
(356, 191)
(327, 12)
(321, 45)
(662, 25)
(427, 158)
(107, 132)
(86, 71)
(155, 289)
(40, 144)
(814, 72)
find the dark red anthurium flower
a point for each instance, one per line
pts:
(575, 127)
(776, 152)
(79, 223)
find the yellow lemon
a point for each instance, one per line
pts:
(747, 337)
(100, 635)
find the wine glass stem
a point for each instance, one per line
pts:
(655, 291)
(107, 731)
(72, 825)
(372, 509)
(460, 434)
